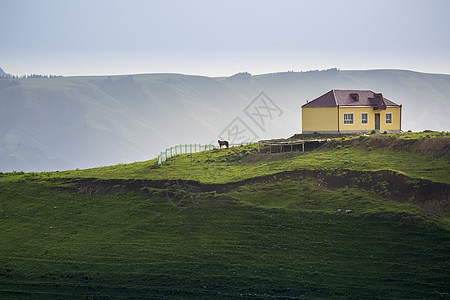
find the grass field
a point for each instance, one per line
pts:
(278, 238)
(234, 164)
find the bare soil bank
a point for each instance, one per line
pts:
(431, 196)
(439, 146)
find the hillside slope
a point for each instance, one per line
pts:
(347, 221)
(79, 122)
(3, 73)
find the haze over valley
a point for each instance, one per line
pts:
(63, 123)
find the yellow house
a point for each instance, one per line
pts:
(348, 111)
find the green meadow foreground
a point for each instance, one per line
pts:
(236, 224)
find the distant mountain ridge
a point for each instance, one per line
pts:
(79, 122)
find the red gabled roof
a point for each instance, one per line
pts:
(348, 98)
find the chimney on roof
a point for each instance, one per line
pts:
(378, 95)
(355, 96)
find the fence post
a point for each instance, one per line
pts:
(260, 158)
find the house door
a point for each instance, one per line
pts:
(377, 121)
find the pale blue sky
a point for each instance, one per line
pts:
(220, 38)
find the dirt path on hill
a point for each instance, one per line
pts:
(430, 196)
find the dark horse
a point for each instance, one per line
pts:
(223, 143)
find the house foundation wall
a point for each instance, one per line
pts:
(347, 131)
(320, 131)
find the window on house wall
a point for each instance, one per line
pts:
(364, 118)
(348, 118)
(388, 118)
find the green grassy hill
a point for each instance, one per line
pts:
(236, 224)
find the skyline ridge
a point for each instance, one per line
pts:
(223, 76)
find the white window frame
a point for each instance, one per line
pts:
(386, 118)
(367, 120)
(352, 119)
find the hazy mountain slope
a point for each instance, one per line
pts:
(93, 121)
(2, 73)
(100, 120)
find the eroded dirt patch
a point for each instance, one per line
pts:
(430, 196)
(439, 146)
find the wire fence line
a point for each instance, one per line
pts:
(187, 149)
